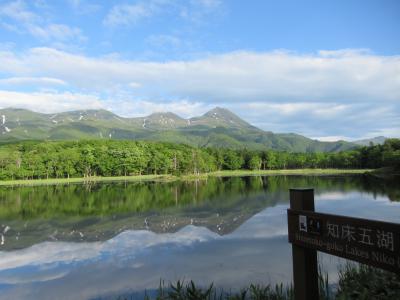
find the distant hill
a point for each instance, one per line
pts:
(379, 140)
(217, 128)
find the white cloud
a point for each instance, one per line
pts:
(135, 85)
(24, 20)
(325, 121)
(18, 11)
(38, 81)
(48, 102)
(53, 101)
(332, 138)
(279, 91)
(271, 76)
(131, 14)
(126, 14)
(130, 242)
(139, 108)
(200, 11)
(317, 109)
(58, 32)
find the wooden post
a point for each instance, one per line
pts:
(305, 266)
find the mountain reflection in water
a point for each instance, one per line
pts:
(230, 231)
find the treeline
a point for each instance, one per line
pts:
(177, 196)
(36, 160)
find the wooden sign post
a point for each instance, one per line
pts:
(305, 266)
(370, 242)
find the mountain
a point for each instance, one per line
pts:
(379, 140)
(217, 128)
(221, 117)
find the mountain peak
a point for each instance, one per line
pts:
(222, 117)
(163, 120)
(167, 114)
(84, 115)
(219, 111)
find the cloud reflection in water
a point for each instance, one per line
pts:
(256, 252)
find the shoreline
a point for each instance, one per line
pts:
(291, 172)
(169, 177)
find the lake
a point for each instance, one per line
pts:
(105, 240)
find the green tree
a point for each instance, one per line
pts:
(271, 160)
(232, 160)
(255, 162)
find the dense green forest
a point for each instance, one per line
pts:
(36, 160)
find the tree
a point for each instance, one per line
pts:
(232, 160)
(255, 163)
(271, 160)
(67, 166)
(87, 160)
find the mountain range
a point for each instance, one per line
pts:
(217, 128)
(379, 140)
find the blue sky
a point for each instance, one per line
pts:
(324, 69)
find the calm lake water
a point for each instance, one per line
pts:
(105, 240)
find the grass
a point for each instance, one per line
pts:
(356, 281)
(290, 172)
(92, 179)
(182, 290)
(189, 291)
(169, 177)
(363, 282)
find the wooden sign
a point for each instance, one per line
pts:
(370, 242)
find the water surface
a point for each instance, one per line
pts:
(104, 240)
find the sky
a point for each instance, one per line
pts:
(324, 69)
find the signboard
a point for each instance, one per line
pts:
(370, 242)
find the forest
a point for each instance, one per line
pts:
(87, 158)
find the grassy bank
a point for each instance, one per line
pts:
(291, 172)
(386, 172)
(169, 177)
(92, 179)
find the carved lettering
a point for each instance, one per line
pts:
(385, 240)
(333, 230)
(383, 258)
(334, 247)
(348, 233)
(355, 251)
(365, 236)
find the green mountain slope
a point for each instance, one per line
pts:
(216, 128)
(379, 140)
